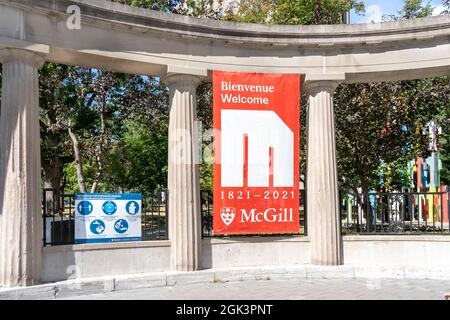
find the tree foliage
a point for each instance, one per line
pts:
(411, 9)
(159, 5)
(120, 121)
(97, 109)
(380, 129)
(293, 12)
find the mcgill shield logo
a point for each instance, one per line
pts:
(227, 214)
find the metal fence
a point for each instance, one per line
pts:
(59, 213)
(361, 213)
(59, 217)
(395, 213)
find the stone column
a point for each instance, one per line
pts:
(185, 232)
(324, 227)
(20, 170)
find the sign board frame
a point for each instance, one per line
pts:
(107, 217)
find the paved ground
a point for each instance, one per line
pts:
(361, 289)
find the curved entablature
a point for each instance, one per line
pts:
(142, 20)
(135, 40)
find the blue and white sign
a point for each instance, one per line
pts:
(105, 217)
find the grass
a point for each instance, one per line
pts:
(216, 280)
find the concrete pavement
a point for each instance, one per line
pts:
(294, 282)
(298, 289)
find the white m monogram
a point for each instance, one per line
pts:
(264, 130)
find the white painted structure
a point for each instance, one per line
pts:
(183, 51)
(426, 253)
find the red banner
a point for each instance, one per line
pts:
(256, 153)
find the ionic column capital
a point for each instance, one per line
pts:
(326, 82)
(182, 81)
(311, 88)
(20, 55)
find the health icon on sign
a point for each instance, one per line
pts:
(121, 226)
(85, 208)
(97, 226)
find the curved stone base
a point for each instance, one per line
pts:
(389, 252)
(72, 288)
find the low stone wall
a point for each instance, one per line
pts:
(94, 260)
(404, 250)
(255, 251)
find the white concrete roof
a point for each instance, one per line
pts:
(135, 40)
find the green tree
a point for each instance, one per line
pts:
(103, 104)
(385, 131)
(159, 5)
(381, 124)
(55, 149)
(140, 162)
(411, 9)
(293, 12)
(313, 11)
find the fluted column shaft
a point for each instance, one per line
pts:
(183, 175)
(20, 170)
(324, 228)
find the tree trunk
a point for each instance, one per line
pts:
(100, 150)
(365, 203)
(99, 174)
(53, 171)
(52, 180)
(78, 160)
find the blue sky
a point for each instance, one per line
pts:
(375, 9)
